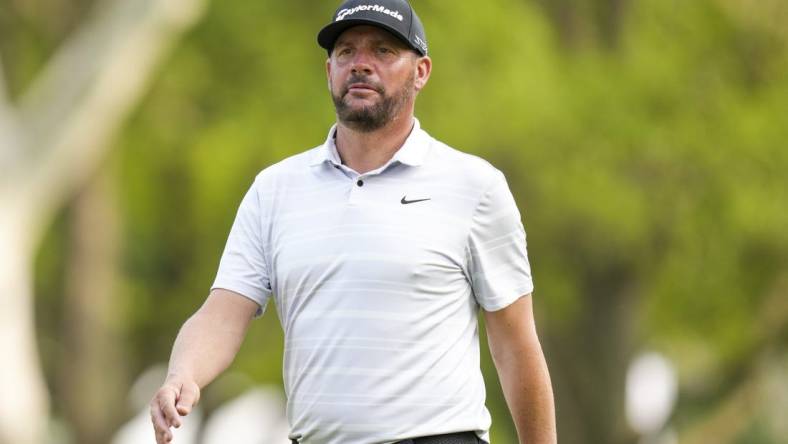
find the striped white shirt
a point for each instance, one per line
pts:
(377, 280)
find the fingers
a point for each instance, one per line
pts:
(174, 399)
(167, 396)
(160, 428)
(188, 398)
(163, 414)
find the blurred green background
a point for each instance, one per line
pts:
(645, 141)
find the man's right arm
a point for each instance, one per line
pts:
(206, 345)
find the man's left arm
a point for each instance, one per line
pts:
(522, 370)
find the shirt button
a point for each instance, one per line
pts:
(360, 183)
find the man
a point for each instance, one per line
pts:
(378, 247)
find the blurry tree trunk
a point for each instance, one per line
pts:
(50, 144)
(21, 380)
(609, 16)
(588, 361)
(93, 381)
(565, 18)
(577, 21)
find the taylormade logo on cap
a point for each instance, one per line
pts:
(376, 8)
(394, 16)
(422, 44)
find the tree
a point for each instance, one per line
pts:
(51, 141)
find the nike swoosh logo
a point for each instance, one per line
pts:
(405, 200)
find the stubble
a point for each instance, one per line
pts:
(372, 117)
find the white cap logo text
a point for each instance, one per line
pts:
(377, 8)
(421, 43)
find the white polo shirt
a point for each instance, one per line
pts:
(377, 280)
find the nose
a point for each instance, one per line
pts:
(361, 63)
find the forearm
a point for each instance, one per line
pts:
(206, 345)
(528, 391)
(522, 369)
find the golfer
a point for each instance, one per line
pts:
(378, 248)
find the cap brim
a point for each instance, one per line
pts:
(331, 32)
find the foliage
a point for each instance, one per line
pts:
(650, 175)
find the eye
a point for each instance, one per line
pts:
(384, 50)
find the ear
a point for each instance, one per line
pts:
(423, 71)
(328, 72)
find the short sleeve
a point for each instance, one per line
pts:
(242, 268)
(498, 260)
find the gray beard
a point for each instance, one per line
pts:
(373, 117)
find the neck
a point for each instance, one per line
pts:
(367, 151)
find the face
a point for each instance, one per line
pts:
(374, 77)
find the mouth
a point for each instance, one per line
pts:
(361, 87)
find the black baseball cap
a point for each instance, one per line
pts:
(395, 16)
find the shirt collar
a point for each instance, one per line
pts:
(328, 151)
(412, 152)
